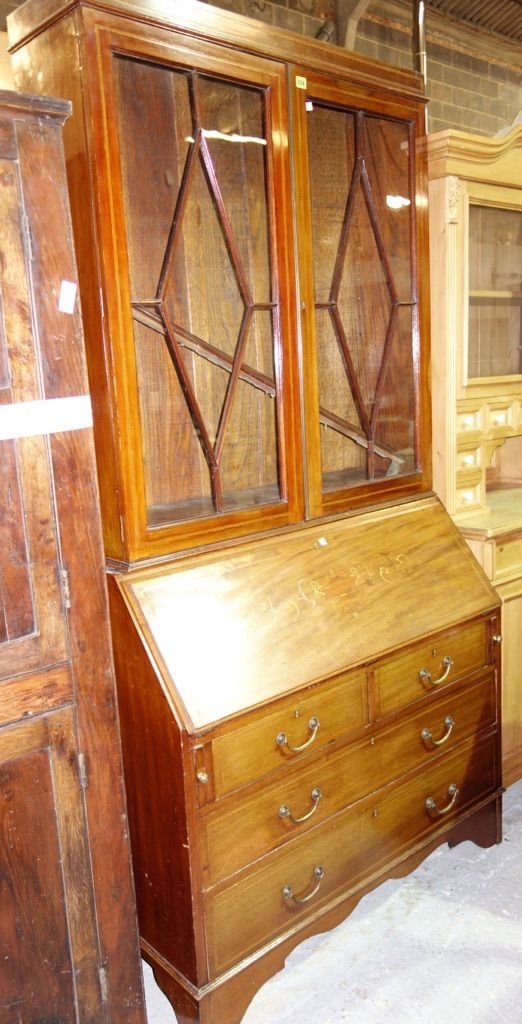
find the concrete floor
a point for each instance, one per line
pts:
(443, 944)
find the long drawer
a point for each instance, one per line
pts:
(265, 820)
(261, 905)
(306, 722)
(406, 678)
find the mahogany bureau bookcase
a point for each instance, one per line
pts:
(307, 653)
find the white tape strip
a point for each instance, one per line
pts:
(28, 419)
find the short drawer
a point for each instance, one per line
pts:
(308, 874)
(441, 660)
(304, 723)
(468, 459)
(291, 806)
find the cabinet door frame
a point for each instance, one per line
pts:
(497, 197)
(306, 86)
(165, 47)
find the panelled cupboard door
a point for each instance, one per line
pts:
(362, 220)
(48, 956)
(194, 233)
(68, 946)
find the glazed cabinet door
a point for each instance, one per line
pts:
(202, 319)
(362, 221)
(66, 909)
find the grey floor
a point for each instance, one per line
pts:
(443, 944)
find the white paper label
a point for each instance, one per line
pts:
(51, 416)
(67, 297)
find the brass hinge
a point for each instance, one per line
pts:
(82, 771)
(66, 590)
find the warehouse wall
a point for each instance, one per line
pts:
(304, 16)
(474, 79)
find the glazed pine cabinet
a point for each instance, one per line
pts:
(476, 264)
(307, 653)
(69, 949)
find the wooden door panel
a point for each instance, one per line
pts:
(29, 562)
(47, 971)
(68, 949)
(31, 607)
(16, 601)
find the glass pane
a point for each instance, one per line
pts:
(387, 159)
(362, 224)
(394, 413)
(495, 292)
(202, 289)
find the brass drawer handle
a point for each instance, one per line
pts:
(288, 892)
(425, 674)
(428, 738)
(285, 812)
(432, 806)
(282, 738)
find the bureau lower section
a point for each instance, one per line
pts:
(335, 859)
(255, 832)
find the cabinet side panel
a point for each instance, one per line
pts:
(50, 65)
(64, 374)
(158, 813)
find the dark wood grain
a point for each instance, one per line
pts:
(70, 949)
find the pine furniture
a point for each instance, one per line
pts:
(476, 269)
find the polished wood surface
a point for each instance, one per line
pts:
(253, 909)
(272, 595)
(342, 775)
(69, 942)
(375, 744)
(307, 707)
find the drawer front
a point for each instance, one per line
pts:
(468, 459)
(308, 721)
(346, 850)
(468, 421)
(314, 792)
(408, 677)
